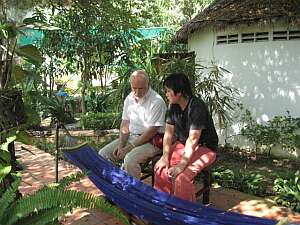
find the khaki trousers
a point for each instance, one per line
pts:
(133, 159)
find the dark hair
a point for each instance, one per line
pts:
(179, 83)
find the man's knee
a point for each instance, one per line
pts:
(105, 153)
(130, 161)
(101, 152)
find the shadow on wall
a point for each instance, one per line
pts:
(269, 79)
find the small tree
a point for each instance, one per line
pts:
(220, 98)
(91, 38)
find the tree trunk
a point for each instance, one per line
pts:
(83, 89)
(83, 106)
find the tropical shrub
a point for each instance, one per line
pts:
(98, 101)
(240, 180)
(101, 121)
(43, 144)
(58, 110)
(220, 98)
(288, 191)
(283, 130)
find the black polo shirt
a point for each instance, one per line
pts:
(195, 116)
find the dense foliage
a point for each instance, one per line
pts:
(282, 130)
(100, 121)
(99, 40)
(288, 191)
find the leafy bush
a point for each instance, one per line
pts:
(44, 144)
(288, 191)
(100, 121)
(241, 180)
(281, 130)
(97, 101)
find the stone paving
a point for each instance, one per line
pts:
(39, 170)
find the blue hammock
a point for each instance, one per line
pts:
(145, 202)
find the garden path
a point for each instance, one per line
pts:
(39, 170)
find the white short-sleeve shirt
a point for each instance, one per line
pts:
(144, 113)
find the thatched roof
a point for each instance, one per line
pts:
(223, 13)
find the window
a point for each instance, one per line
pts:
(248, 37)
(294, 34)
(280, 35)
(233, 38)
(262, 36)
(259, 37)
(255, 37)
(286, 35)
(227, 39)
(222, 39)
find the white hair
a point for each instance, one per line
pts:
(140, 73)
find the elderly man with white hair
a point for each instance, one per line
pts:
(143, 118)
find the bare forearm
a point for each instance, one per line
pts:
(167, 145)
(124, 133)
(146, 136)
(190, 146)
(189, 149)
(168, 137)
(123, 138)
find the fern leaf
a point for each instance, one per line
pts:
(66, 181)
(50, 198)
(9, 196)
(43, 217)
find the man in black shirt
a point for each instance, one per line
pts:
(190, 140)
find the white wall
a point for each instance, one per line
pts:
(267, 73)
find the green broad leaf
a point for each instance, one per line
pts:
(5, 156)
(4, 170)
(9, 140)
(19, 73)
(23, 137)
(31, 54)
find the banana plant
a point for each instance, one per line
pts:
(12, 54)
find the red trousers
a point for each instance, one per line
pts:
(184, 186)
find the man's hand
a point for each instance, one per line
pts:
(120, 153)
(175, 170)
(161, 163)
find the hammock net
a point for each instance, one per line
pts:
(143, 201)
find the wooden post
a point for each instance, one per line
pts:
(57, 151)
